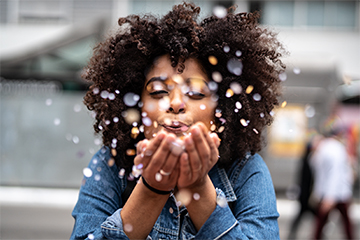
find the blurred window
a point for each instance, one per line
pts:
(278, 13)
(331, 14)
(35, 11)
(160, 7)
(320, 14)
(53, 11)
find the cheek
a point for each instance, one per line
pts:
(205, 115)
(149, 107)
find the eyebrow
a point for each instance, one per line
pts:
(153, 79)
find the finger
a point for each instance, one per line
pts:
(201, 145)
(193, 156)
(215, 138)
(161, 154)
(213, 141)
(185, 173)
(140, 147)
(149, 149)
(176, 148)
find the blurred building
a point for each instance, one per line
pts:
(46, 134)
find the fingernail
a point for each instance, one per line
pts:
(189, 141)
(196, 131)
(161, 136)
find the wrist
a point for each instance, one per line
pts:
(154, 190)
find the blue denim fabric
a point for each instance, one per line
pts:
(247, 185)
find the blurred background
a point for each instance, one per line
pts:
(46, 134)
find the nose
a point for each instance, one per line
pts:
(177, 104)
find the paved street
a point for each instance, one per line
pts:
(26, 214)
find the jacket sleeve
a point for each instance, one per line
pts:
(252, 216)
(99, 197)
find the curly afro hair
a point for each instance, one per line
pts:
(246, 69)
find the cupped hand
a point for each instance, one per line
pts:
(158, 161)
(201, 154)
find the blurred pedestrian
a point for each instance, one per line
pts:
(333, 180)
(305, 185)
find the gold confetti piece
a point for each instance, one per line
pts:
(284, 103)
(243, 122)
(130, 152)
(249, 89)
(221, 129)
(229, 93)
(212, 128)
(177, 79)
(113, 152)
(111, 162)
(134, 132)
(213, 60)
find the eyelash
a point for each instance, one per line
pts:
(192, 94)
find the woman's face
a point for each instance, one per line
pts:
(172, 101)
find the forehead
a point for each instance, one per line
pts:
(162, 67)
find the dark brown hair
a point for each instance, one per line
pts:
(118, 67)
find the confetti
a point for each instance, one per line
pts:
(87, 172)
(77, 108)
(184, 196)
(238, 105)
(216, 76)
(283, 76)
(131, 99)
(135, 132)
(128, 227)
(221, 129)
(48, 102)
(104, 94)
(235, 66)
(196, 196)
(257, 97)
(296, 70)
(111, 162)
(75, 139)
(130, 152)
(158, 177)
(309, 111)
(213, 60)
(131, 115)
(229, 93)
(220, 11)
(226, 49)
(57, 121)
(249, 89)
(244, 122)
(96, 91)
(122, 172)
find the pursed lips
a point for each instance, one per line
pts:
(176, 127)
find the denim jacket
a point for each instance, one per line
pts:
(247, 187)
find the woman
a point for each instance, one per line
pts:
(165, 93)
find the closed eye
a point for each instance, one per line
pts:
(195, 95)
(159, 94)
